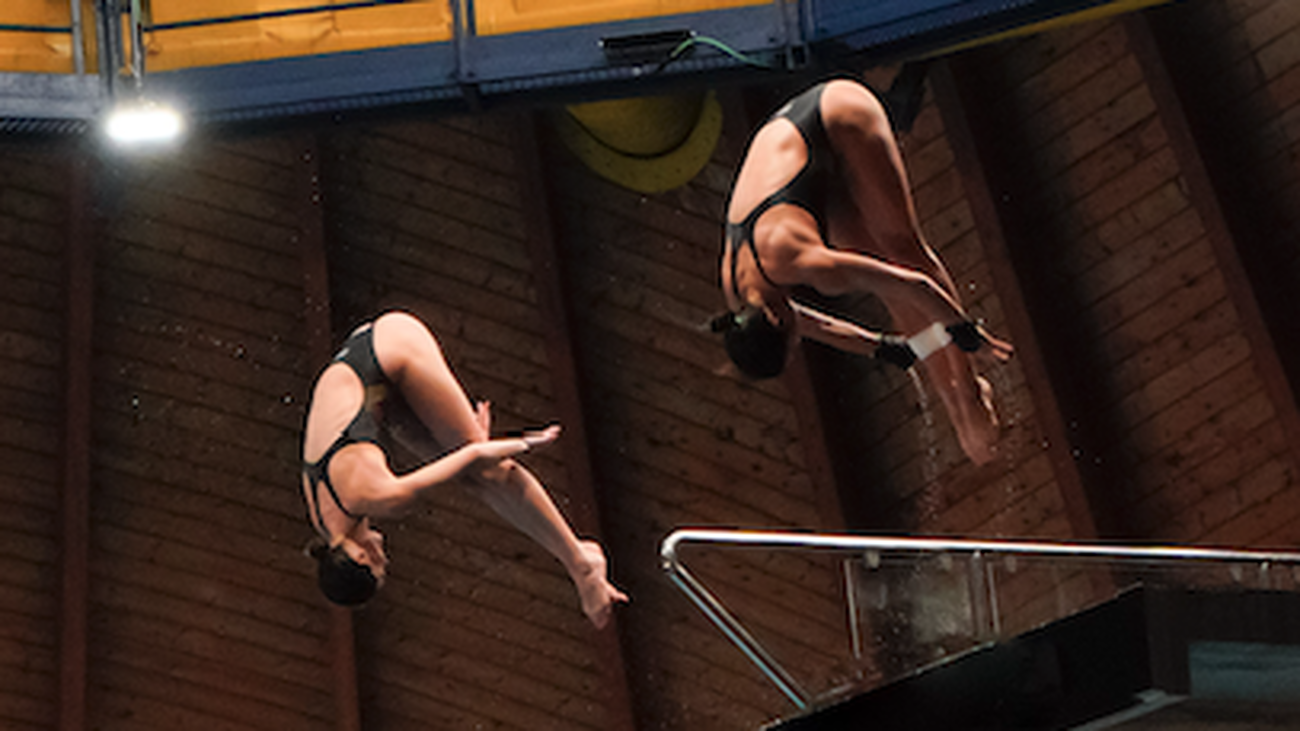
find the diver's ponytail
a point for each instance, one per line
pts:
(723, 322)
(754, 344)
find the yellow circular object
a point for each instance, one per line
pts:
(649, 144)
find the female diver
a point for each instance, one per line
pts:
(347, 480)
(821, 199)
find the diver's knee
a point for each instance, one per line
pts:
(496, 475)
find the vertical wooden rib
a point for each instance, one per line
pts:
(798, 381)
(76, 451)
(979, 171)
(316, 301)
(561, 351)
(1213, 206)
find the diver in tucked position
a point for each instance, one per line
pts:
(821, 199)
(347, 480)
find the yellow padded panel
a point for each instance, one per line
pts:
(48, 53)
(494, 17)
(325, 32)
(173, 11)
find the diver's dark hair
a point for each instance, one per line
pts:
(341, 579)
(754, 344)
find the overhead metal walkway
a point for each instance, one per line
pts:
(245, 60)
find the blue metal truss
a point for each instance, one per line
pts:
(568, 63)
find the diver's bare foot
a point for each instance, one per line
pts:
(597, 594)
(995, 350)
(977, 426)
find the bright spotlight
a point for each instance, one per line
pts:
(143, 123)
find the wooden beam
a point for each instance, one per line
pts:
(1224, 220)
(81, 234)
(985, 179)
(550, 282)
(316, 315)
(809, 412)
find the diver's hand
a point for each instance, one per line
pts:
(483, 415)
(495, 450)
(492, 451)
(537, 438)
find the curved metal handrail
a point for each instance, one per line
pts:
(852, 542)
(775, 539)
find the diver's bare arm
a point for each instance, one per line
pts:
(385, 494)
(832, 331)
(838, 272)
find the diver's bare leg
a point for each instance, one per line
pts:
(881, 222)
(966, 396)
(878, 185)
(413, 360)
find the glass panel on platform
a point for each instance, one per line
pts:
(908, 610)
(908, 604)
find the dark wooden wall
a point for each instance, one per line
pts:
(197, 611)
(677, 443)
(1118, 198)
(32, 211)
(1158, 349)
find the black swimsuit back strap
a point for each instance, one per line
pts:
(358, 353)
(805, 113)
(318, 473)
(743, 233)
(807, 189)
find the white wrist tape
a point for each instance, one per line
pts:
(929, 341)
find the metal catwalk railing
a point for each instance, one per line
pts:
(985, 590)
(74, 29)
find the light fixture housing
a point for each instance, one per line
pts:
(143, 122)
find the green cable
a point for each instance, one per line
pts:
(686, 44)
